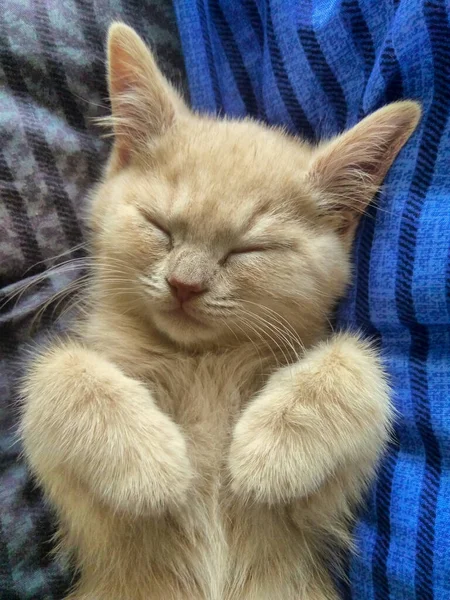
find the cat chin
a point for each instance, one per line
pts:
(184, 330)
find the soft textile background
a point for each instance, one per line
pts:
(317, 66)
(51, 83)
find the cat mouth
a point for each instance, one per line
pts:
(180, 313)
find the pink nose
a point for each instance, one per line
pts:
(183, 290)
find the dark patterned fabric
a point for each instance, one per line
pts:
(317, 66)
(52, 83)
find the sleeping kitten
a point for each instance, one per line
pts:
(201, 433)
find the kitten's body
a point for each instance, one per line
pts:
(215, 449)
(216, 546)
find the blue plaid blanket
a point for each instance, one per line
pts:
(316, 67)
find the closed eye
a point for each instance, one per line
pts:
(156, 224)
(160, 227)
(243, 251)
(249, 250)
(259, 249)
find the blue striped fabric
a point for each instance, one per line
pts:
(316, 67)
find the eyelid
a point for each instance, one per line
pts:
(150, 219)
(264, 247)
(159, 226)
(249, 249)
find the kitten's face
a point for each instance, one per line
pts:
(221, 230)
(216, 235)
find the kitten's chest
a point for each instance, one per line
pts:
(205, 393)
(204, 396)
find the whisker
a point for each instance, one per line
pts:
(282, 321)
(257, 331)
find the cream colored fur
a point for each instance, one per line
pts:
(215, 452)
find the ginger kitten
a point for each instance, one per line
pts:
(201, 432)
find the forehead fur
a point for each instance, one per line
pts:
(225, 168)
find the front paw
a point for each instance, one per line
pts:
(85, 418)
(278, 452)
(152, 475)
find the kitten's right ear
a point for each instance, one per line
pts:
(346, 172)
(143, 102)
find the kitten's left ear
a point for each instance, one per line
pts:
(346, 172)
(144, 104)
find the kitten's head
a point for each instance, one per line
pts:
(219, 229)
